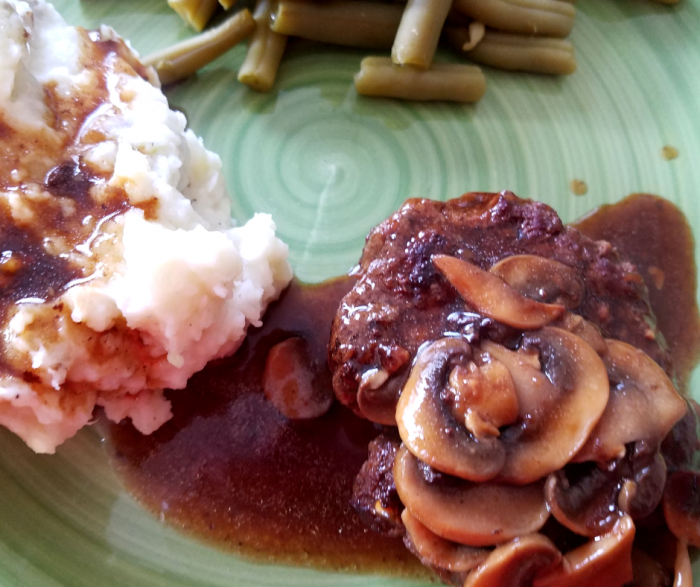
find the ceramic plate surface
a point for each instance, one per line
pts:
(329, 165)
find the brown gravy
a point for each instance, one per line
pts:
(231, 470)
(655, 235)
(43, 169)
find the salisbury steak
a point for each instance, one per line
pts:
(401, 300)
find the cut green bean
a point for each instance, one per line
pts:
(195, 13)
(265, 50)
(522, 53)
(548, 18)
(454, 82)
(419, 32)
(353, 23)
(185, 58)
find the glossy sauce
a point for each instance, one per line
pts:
(231, 470)
(654, 235)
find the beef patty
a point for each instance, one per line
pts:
(401, 300)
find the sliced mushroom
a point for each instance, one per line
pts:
(681, 505)
(603, 562)
(588, 331)
(516, 563)
(427, 426)
(683, 571)
(484, 395)
(561, 413)
(290, 381)
(542, 279)
(583, 507)
(643, 404)
(492, 297)
(535, 392)
(647, 571)
(589, 500)
(475, 514)
(680, 446)
(377, 395)
(432, 550)
(643, 487)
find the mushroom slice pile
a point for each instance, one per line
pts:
(434, 551)
(515, 564)
(643, 404)
(589, 499)
(542, 279)
(603, 562)
(681, 503)
(491, 296)
(570, 423)
(475, 514)
(550, 435)
(430, 430)
(547, 416)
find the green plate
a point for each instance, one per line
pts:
(329, 165)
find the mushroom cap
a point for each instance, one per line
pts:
(681, 504)
(542, 279)
(589, 500)
(432, 550)
(643, 404)
(516, 563)
(476, 514)
(553, 432)
(603, 562)
(427, 426)
(290, 382)
(492, 297)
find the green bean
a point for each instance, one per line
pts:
(185, 58)
(195, 13)
(379, 76)
(419, 32)
(265, 51)
(354, 23)
(521, 53)
(549, 18)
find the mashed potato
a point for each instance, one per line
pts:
(121, 272)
